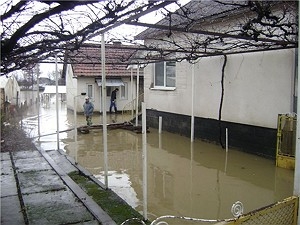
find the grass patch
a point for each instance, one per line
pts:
(109, 201)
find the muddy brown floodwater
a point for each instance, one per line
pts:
(184, 179)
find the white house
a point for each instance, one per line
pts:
(244, 94)
(10, 89)
(84, 76)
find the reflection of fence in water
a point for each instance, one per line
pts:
(286, 141)
(288, 135)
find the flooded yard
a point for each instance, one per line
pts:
(184, 179)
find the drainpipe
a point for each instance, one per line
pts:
(104, 111)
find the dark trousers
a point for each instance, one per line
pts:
(88, 120)
(113, 104)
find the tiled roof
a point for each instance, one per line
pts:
(86, 62)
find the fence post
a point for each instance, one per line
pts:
(159, 124)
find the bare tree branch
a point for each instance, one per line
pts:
(35, 30)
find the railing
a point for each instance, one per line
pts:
(130, 107)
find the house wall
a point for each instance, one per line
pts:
(71, 88)
(121, 102)
(11, 89)
(79, 85)
(257, 87)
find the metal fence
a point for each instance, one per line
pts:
(280, 213)
(283, 212)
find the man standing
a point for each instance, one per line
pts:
(113, 100)
(88, 111)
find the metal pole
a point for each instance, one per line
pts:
(192, 113)
(57, 113)
(297, 153)
(104, 111)
(226, 139)
(226, 157)
(144, 156)
(131, 88)
(75, 128)
(159, 124)
(38, 104)
(137, 94)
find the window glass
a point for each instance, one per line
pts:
(123, 91)
(159, 74)
(90, 90)
(109, 90)
(170, 74)
(165, 74)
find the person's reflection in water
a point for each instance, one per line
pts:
(113, 118)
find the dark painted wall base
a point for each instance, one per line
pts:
(247, 138)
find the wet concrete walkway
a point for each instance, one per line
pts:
(35, 189)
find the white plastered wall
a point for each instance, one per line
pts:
(76, 86)
(257, 87)
(71, 87)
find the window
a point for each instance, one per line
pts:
(123, 91)
(109, 89)
(90, 91)
(164, 74)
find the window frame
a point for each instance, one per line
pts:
(124, 88)
(165, 76)
(91, 93)
(109, 90)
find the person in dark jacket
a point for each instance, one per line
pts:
(113, 98)
(88, 111)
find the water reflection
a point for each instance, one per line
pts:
(120, 182)
(185, 179)
(48, 124)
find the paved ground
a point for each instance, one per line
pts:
(35, 189)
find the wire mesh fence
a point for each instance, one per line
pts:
(284, 212)
(280, 213)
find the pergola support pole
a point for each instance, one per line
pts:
(297, 152)
(192, 110)
(104, 111)
(57, 112)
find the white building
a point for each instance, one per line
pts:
(84, 77)
(244, 94)
(10, 90)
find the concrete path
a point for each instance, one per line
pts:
(35, 190)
